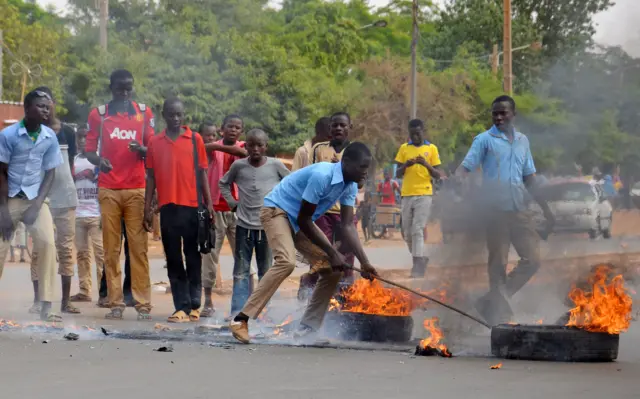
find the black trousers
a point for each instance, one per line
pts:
(179, 231)
(126, 287)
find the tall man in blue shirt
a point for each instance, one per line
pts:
(288, 219)
(29, 154)
(508, 172)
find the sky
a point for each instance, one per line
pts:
(616, 26)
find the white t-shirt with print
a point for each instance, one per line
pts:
(87, 190)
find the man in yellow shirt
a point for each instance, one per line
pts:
(418, 162)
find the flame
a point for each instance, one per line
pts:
(435, 336)
(9, 324)
(606, 308)
(496, 366)
(371, 297)
(540, 321)
(279, 328)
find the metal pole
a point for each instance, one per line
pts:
(104, 18)
(508, 53)
(495, 60)
(414, 45)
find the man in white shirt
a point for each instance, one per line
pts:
(88, 230)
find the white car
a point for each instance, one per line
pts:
(578, 206)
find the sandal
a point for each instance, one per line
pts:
(194, 315)
(51, 318)
(103, 302)
(80, 298)
(115, 314)
(207, 312)
(36, 308)
(178, 317)
(70, 309)
(145, 316)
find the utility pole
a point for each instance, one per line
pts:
(508, 54)
(104, 18)
(414, 73)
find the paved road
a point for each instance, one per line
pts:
(110, 369)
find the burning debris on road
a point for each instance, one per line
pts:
(371, 297)
(432, 346)
(496, 366)
(605, 308)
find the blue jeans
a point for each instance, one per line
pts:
(246, 241)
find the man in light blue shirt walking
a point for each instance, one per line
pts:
(29, 154)
(508, 173)
(288, 217)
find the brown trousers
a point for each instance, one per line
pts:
(88, 238)
(43, 242)
(116, 205)
(504, 229)
(64, 227)
(283, 245)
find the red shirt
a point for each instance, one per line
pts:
(173, 168)
(218, 167)
(387, 189)
(120, 129)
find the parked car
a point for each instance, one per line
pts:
(578, 206)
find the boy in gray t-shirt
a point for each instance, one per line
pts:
(255, 177)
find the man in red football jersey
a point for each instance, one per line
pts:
(116, 142)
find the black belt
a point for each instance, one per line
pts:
(21, 195)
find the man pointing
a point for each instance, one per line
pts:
(116, 142)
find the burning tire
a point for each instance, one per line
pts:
(552, 343)
(371, 328)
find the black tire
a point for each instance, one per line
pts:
(370, 328)
(593, 234)
(606, 234)
(552, 343)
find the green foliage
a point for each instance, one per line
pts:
(282, 69)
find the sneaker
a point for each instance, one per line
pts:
(304, 334)
(240, 331)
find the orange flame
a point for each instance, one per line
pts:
(496, 366)
(607, 308)
(278, 328)
(371, 297)
(435, 336)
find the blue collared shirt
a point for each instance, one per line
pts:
(321, 184)
(28, 160)
(504, 166)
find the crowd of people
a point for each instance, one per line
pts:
(105, 183)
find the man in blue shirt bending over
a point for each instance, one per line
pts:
(508, 172)
(288, 217)
(29, 155)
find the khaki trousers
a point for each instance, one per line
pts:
(225, 227)
(64, 230)
(283, 245)
(116, 205)
(43, 242)
(88, 238)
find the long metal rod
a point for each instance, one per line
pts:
(420, 294)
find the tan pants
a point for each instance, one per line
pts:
(88, 238)
(225, 227)
(116, 205)
(283, 246)
(43, 242)
(64, 228)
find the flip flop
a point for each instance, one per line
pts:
(35, 308)
(207, 312)
(70, 309)
(194, 315)
(115, 314)
(178, 317)
(51, 318)
(145, 316)
(80, 298)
